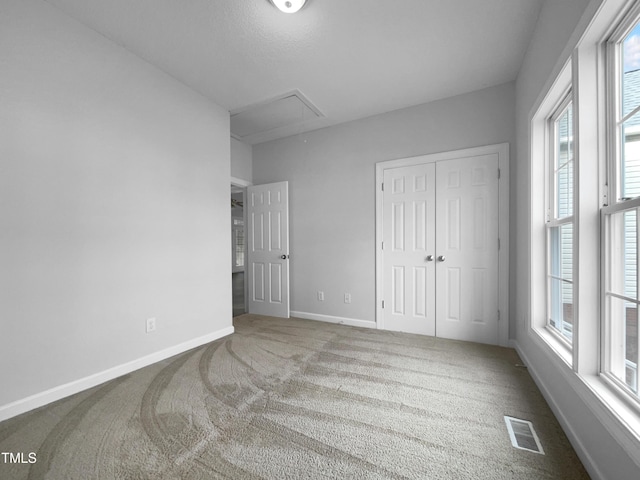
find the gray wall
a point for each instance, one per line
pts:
(332, 196)
(587, 428)
(114, 205)
(241, 160)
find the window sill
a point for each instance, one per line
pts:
(559, 347)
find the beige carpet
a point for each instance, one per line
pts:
(289, 399)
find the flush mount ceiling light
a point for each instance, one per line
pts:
(288, 6)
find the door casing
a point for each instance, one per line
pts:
(502, 150)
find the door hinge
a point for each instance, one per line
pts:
(382, 245)
(498, 244)
(382, 303)
(382, 186)
(498, 315)
(498, 174)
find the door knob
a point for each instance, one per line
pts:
(441, 258)
(284, 257)
(429, 258)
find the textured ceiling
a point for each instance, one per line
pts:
(351, 59)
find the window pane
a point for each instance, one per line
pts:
(623, 239)
(623, 316)
(561, 279)
(630, 156)
(561, 306)
(239, 246)
(631, 71)
(564, 194)
(631, 254)
(630, 128)
(631, 347)
(563, 169)
(561, 251)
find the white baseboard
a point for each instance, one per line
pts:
(57, 393)
(331, 319)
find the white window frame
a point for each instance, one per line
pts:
(552, 221)
(541, 143)
(615, 205)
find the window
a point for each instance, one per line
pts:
(585, 218)
(621, 215)
(554, 266)
(238, 246)
(560, 245)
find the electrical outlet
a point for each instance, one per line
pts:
(151, 325)
(347, 298)
(321, 296)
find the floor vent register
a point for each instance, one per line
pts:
(523, 435)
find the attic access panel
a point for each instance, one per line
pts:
(283, 111)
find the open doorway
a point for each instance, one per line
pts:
(260, 248)
(238, 250)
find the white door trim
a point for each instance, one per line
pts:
(502, 150)
(239, 182)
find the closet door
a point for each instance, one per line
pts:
(409, 249)
(440, 248)
(467, 249)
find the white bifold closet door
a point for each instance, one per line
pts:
(440, 233)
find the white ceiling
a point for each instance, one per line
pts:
(350, 58)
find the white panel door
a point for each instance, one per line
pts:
(440, 248)
(268, 249)
(467, 249)
(409, 249)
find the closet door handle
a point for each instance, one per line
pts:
(441, 258)
(429, 258)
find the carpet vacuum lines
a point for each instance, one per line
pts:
(298, 399)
